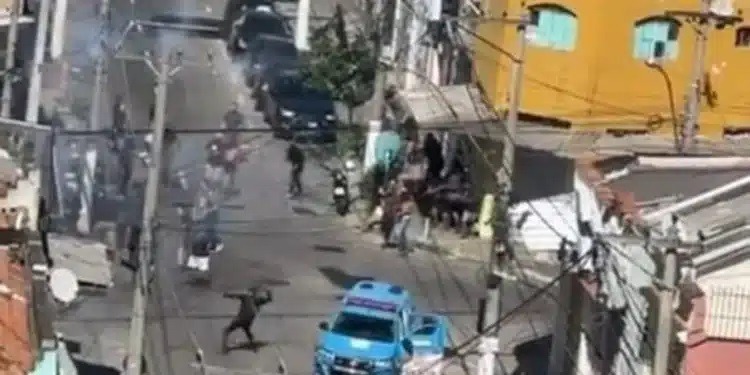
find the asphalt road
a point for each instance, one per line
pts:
(298, 246)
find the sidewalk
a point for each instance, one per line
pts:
(539, 267)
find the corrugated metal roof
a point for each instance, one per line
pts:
(86, 258)
(447, 104)
(728, 312)
(649, 184)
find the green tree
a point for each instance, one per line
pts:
(345, 69)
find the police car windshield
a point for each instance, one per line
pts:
(365, 327)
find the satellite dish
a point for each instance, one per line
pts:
(64, 285)
(722, 7)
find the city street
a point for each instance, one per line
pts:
(299, 247)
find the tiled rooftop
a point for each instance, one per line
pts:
(16, 353)
(728, 313)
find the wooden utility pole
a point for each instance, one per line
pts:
(704, 19)
(500, 249)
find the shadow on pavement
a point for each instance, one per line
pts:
(304, 211)
(251, 346)
(329, 249)
(533, 356)
(88, 368)
(341, 278)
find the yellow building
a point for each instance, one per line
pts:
(586, 64)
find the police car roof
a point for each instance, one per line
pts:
(379, 291)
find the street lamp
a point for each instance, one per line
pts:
(656, 64)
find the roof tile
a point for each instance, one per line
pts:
(728, 313)
(16, 352)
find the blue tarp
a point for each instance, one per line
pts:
(387, 141)
(48, 365)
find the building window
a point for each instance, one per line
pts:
(555, 27)
(656, 38)
(742, 37)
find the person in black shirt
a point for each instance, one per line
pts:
(119, 115)
(251, 301)
(233, 118)
(296, 158)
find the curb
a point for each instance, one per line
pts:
(538, 268)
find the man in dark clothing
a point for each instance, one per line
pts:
(119, 115)
(250, 303)
(296, 158)
(233, 118)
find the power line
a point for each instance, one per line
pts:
(502, 319)
(545, 84)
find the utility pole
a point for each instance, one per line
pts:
(302, 29)
(665, 330)
(567, 330)
(500, 250)
(40, 46)
(163, 71)
(707, 17)
(145, 255)
(375, 123)
(381, 75)
(99, 76)
(10, 58)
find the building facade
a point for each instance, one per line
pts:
(586, 64)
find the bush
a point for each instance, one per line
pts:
(351, 142)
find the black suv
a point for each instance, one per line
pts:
(253, 23)
(294, 109)
(265, 52)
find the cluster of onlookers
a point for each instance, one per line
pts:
(419, 183)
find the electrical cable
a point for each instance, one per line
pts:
(506, 169)
(508, 315)
(547, 85)
(486, 159)
(543, 83)
(648, 338)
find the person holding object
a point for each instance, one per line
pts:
(251, 301)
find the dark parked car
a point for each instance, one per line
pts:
(264, 52)
(254, 23)
(294, 109)
(282, 68)
(233, 11)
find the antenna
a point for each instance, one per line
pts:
(722, 7)
(64, 285)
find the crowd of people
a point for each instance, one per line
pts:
(420, 183)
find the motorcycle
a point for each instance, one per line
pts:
(341, 198)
